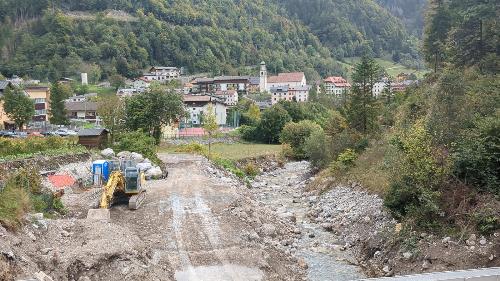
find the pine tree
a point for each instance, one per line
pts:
(58, 93)
(438, 23)
(361, 109)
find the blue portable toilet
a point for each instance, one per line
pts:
(100, 172)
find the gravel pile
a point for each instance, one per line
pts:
(351, 213)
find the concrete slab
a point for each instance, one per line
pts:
(99, 214)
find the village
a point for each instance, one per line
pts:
(222, 92)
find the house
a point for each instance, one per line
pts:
(126, 92)
(301, 93)
(336, 85)
(379, 87)
(162, 74)
(253, 85)
(41, 97)
(5, 122)
(93, 138)
(81, 98)
(196, 105)
(141, 84)
(221, 83)
(292, 79)
(83, 111)
(16, 80)
(186, 88)
(229, 97)
(402, 86)
(280, 93)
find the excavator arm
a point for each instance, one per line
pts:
(116, 182)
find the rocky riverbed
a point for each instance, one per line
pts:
(284, 189)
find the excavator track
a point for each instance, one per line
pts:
(136, 201)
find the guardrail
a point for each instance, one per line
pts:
(484, 274)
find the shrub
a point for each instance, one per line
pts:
(487, 224)
(344, 161)
(248, 133)
(251, 170)
(477, 156)
(417, 176)
(296, 135)
(272, 122)
(194, 148)
(138, 142)
(315, 148)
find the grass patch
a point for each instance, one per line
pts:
(101, 91)
(235, 152)
(392, 68)
(13, 149)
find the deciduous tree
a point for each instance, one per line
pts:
(18, 106)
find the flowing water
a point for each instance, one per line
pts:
(283, 189)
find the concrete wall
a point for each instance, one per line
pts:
(485, 274)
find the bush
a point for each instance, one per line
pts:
(194, 148)
(248, 133)
(487, 224)
(138, 142)
(251, 170)
(35, 145)
(296, 134)
(272, 122)
(417, 176)
(315, 148)
(477, 155)
(344, 161)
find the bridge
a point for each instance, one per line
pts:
(485, 274)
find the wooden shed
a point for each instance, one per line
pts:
(93, 138)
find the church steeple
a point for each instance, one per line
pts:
(263, 77)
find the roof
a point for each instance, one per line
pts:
(164, 67)
(254, 80)
(203, 80)
(193, 98)
(91, 132)
(337, 81)
(34, 88)
(300, 88)
(278, 89)
(286, 77)
(229, 78)
(81, 106)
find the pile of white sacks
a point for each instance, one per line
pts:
(150, 170)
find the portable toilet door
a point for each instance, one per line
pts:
(100, 172)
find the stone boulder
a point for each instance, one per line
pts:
(108, 153)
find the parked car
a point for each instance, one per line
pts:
(49, 133)
(65, 132)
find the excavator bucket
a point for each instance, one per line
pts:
(98, 215)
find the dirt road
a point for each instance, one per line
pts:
(198, 224)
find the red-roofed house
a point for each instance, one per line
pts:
(292, 79)
(230, 97)
(336, 85)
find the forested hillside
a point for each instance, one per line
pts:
(352, 28)
(215, 36)
(49, 39)
(410, 12)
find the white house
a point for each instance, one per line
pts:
(141, 84)
(230, 97)
(126, 92)
(301, 93)
(292, 79)
(336, 85)
(379, 87)
(162, 73)
(197, 105)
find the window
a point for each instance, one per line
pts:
(41, 112)
(39, 100)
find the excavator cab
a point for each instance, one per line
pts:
(133, 181)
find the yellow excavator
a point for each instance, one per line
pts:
(128, 185)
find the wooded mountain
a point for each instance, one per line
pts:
(410, 12)
(50, 39)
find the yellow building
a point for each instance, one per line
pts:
(5, 122)
(41, 97)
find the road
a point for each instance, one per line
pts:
(188, 223)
